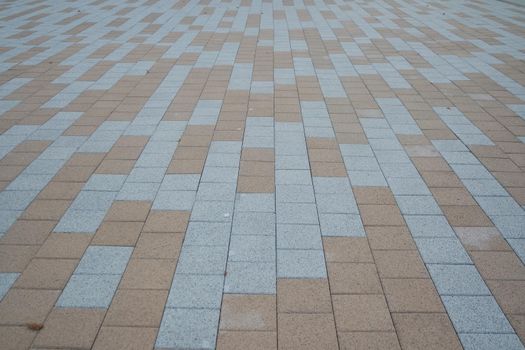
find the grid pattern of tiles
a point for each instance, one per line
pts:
(262, 174)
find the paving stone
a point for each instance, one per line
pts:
(490, 341)
(188, 329)
(95, 291)
(298, 237)
(196, 291)
(457, 280)
(104, 260)
(252, 248)
(294, 194)
(429, 226)
(180, 182)
(347, 225)
(210, 191)
(133, 191)
(202, 260)
(174, 200)
(418, 205)
(81, 221)
(336, 203)
(105, 182)
(442, 251)
(250, 278)
(250, 223)
(255, 202)
(208, 233)
(297, 213)
(6, 281)
(219, 211)
(476, 314)
(219, 174)
(300, 264)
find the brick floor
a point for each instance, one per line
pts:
(262, 174)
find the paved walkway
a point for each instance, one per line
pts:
(241, 174)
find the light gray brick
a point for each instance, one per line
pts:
(252, 223)
(418, 205)
(132, 191)
(174, 200)
(219, 211)
(183, 328)
(208, 233)
(442, 251)
(104, 260)
(105, 182)
(219, 174)
(196, 291)
(216, 191)
(336, 203)
(254, 248)
(202, 260)
(300, 264)
(250, 278)
(256, 202)
(297, 213)
(81, 221)
(299, 237)
(294, 194)
(94, 291)
(429, 226)
(457, 280)
(490, 341)
(476, 314)
(348, 225)
(6, 281)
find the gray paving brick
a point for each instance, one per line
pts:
(518, 245)
(399, 170)
(291, 162)
(348, 225)
(300, 264)
(336, 203)
(252, 248)
(418, 205)
(298, 237)
(484, 187)
(332, 185)
(499, 206)
(367, 179)
(132, 191)
(250, 278)
(219, 211)
(408, 186)
(105, 182)
(202, 260)
(442, 251)
(294, 194)
(81, 221)
(180, 182)
(208, 233)
(354, 163)
(490, 341)
(457, 280)
(297, 213)
(460, 158)
(146, 175)
(6, 281)
(510, 226)
(476, 314)
(188, 329)
(29, 182)
(429, 226)
(93, 200)
(222, 160)
(225, 147)
(251, 223)
(174, 200)
(16, 200)
(256, 202)
(216, 191)
(293, 177)
(93, 291)
(196, 291)
(219, 174)
(104, 260)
